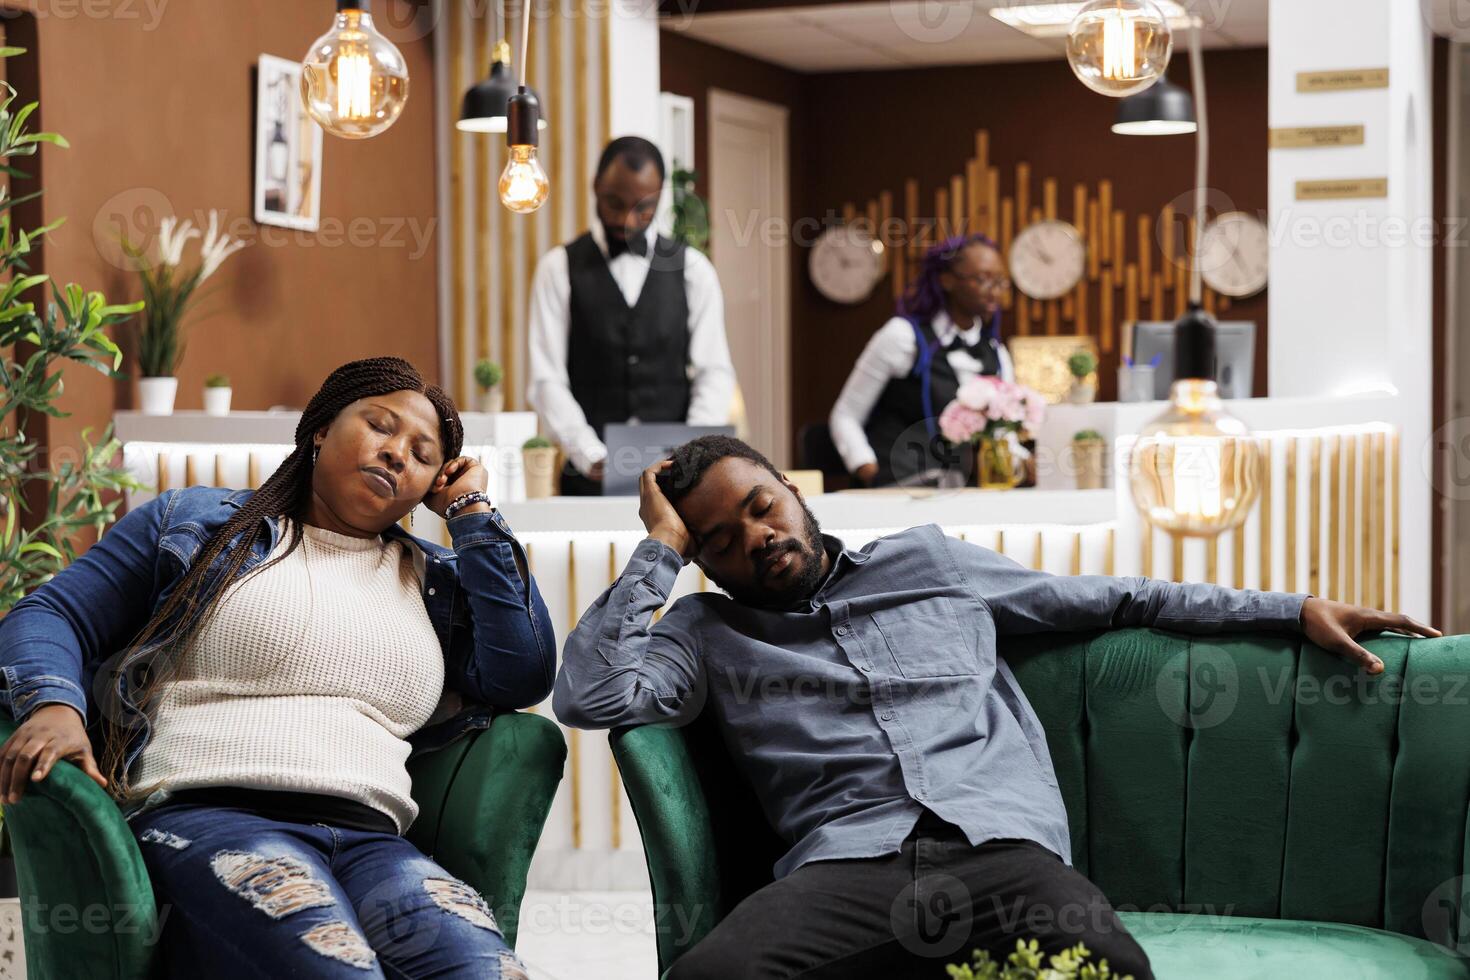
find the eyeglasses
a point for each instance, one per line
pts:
(993, 284)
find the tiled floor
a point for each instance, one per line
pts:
(575, 935)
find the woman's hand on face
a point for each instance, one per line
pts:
(51, 732)
(462, 474)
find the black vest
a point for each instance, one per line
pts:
(898, 427)
(628, 363)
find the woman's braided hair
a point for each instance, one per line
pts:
(286, 493)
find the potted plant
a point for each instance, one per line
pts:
(1029, 962)
(1088, 453)
(169, 294)
(539, 457)
(691, 213)
(487, 377)
(989, 413)
(217, 395)
(1082, 364)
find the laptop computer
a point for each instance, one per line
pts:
(631, 449)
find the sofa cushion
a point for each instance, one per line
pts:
(1226, 947)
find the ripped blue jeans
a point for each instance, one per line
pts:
(246, 896)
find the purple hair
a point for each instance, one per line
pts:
(924, 297)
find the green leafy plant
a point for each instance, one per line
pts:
(169, 289)
(1029, 963)
(1082, 363)
(1087, 435)
(487, 374)
(691, 213)
(217, 381)
(73, 327)
(537, 442)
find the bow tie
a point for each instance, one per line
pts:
(957, 342)
(638, 245)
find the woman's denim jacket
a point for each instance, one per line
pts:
(72, 635)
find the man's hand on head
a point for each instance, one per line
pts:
(658, 514)
(1335, 627)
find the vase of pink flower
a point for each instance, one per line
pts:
(989, 413)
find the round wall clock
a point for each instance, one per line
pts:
(1235, 254)
(1048, 259)
(845, 264)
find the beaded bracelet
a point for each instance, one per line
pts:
(464, 500)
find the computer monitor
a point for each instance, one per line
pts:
(1235, 355)
(631, 449)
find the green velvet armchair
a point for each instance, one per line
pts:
(1252, 806)
(88, 909)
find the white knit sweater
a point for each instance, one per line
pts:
(308, 677)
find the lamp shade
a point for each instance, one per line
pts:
(484, 107)
(1164, 109)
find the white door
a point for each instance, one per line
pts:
(749, 243)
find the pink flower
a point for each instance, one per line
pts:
(977, 393)
(959, 424)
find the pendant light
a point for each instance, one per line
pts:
(1162, 109)
(354, 81)
(1195, 470)
(1119, 47)
(523, 183)
(484, 107)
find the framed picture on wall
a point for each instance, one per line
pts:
(288, 149)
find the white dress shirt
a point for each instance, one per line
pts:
(711, 375)
(890, 354)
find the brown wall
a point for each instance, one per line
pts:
(159, 114)
(855, 134)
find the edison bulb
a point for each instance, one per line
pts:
(1195, 470)
(1119, 47)
(523, 183)
(354, 82)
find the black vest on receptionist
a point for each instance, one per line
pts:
(628, 363)
(896, 427)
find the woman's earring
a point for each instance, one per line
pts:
(410, 519)
(315, 452)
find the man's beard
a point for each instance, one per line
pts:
(800, 582)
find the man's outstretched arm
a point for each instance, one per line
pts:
(1024, 600)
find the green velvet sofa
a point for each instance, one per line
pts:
(1256, 807)
(88, 909)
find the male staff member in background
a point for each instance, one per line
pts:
(626, 325)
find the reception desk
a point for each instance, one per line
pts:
(1329, 521)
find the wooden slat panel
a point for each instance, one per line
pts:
(1267, 507)
(992, 203)
(1049, 198)
(1291, 544)
(1314, 518)
(1145, 245)
(458, 328)
(1350, 583)
(1105, 216)
(1120, 242)
(1094, 242)
(1156, 300)
(1334, 517)
(957, 224)
(1023, 191)
(942, 228)
(1104, 313)
(191, 477)
(1395, 603)
(1130, 302)
(885, 232)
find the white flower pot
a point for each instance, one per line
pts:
(1081, 393)
(217, 401)
(490, 400)
(157, 395)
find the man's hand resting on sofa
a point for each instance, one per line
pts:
(1335, 626)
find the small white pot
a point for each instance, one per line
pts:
(157, 395)
(1081, 393)
(217, 401)
(490, 400)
